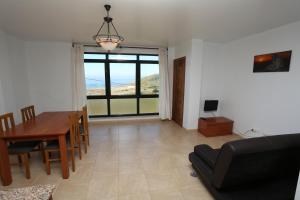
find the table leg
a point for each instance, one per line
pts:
(5, 171)
(63, 156)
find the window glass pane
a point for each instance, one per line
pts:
(122, 57)
(122, 78)
(94, 56)
(95, 78)
(149, 105)
(123, 106)
(149, 58)
(97, 106)
(149, 78)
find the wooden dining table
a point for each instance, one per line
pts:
(45, 126)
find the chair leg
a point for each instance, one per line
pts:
(47, 162)
(73, 159)
(85, 143)
(41, 148)
(19, 160)
(88, 139)
(26, 164)
(79, 150)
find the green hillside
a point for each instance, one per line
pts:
(150, 84)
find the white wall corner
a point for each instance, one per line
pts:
(171, 57)
(193, 85)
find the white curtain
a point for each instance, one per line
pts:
(79, 89)
(164, 87)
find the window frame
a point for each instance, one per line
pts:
(108, 95)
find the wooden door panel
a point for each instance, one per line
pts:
(178, 90)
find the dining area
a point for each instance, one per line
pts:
(57, 136)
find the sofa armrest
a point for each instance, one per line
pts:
(207, 154)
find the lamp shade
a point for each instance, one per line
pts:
(108, 43)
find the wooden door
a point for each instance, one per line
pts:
(178, 90)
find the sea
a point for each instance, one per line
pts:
(93, 83)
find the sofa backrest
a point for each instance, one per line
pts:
(252, 160)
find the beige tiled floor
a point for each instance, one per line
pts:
(129, 161)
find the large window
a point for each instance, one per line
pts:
(121, 84)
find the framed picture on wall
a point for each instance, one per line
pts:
(273, 62)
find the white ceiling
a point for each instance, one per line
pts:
(146, 22)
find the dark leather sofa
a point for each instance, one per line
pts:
(264, 168)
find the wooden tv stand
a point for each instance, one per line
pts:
(215, 126)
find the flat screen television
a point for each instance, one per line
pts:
(210, 105)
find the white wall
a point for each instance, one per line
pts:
(19, 77)
(193, 86)
(5, 74)
(13, 76)
(50, 80)
(37, 73)
(211, 73)
(268, 102)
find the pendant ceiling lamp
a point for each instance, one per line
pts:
(110, 39)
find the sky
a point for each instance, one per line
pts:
(119, 70)
(94, 70)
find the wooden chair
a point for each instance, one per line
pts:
(28, 113)
(84, 128)
(21, 149)
(72, 142)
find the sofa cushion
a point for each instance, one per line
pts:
(22, 147)
(207, 154)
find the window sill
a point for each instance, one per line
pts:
(127, 118)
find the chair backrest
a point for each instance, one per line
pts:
(7, 122)
(28, 113)
(85, 119)
(254, 160)
(74, 129)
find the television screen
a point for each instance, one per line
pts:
(211, 105)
